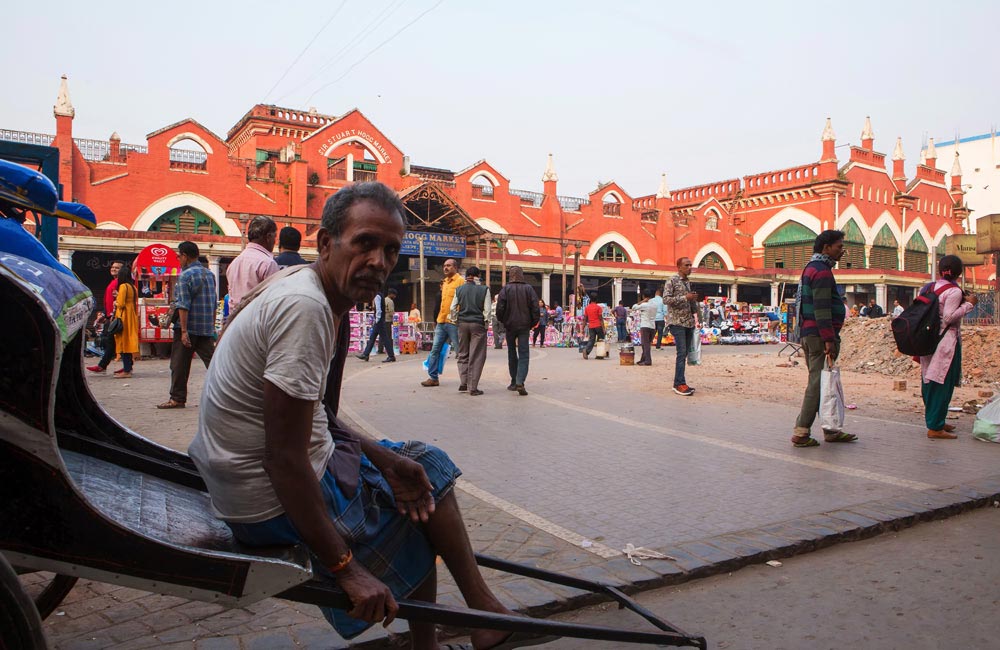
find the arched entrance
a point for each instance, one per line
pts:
(789, 247)
(186, 220)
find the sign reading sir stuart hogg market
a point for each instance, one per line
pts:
(436, 244)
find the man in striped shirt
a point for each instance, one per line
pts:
(821, 315)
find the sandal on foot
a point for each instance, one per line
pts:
(170, 404)
(521, 640)
(839, 436)
(804, 441)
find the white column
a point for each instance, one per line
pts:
(213, 266)
(732, 292)
(66, 258)
(934, 261)
(546, 290)
(616, 291)
(774, 294)
(350, 167)
(881, 295)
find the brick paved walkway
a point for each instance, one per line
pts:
(595, 457)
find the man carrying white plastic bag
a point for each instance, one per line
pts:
(820, 313)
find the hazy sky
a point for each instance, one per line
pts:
(703, 91)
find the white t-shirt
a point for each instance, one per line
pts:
(286, 335)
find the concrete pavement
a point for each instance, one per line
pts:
(595, 457)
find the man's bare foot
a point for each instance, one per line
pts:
(485, 639)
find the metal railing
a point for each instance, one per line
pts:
(529, 198)
(572, 203)
(483, 192)
(26, 137)
(99, 150)
(364, 176)
(984, 313)
(188, 156)
(612, 209)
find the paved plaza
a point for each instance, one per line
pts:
(597, 456)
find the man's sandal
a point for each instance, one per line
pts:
(804, 441)
(170, 404)
(839, 436)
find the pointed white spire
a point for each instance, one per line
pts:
(828, 131)
(931, 151)
(866, 133)
(550, 171)
(63, 107)
(115, 137)
(923, 156)
(897, 153)
(664, 191)
(956, 169)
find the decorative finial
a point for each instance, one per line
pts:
(664, 191)
(931, 151)
(550, 171)
(828, 133)
(866, 133)
(923, 156)
(956, 169)
(115, 137)
(897, 153)
(63, 107)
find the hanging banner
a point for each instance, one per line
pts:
(436, 244)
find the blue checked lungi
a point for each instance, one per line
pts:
(389, 545)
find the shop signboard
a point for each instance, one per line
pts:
(988, 234)
(964, 246)
(436, 244)
(156, 260)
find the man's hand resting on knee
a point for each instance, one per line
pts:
(372, 599)
(411, 488)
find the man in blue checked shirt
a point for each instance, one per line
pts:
(194, 323)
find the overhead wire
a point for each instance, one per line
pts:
(375, 49)
(363, 33)
(304, 50)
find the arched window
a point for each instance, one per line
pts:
(611, 252)
(789, 247)
(711, 220)
(611, 206)
(711, 261)
(854, 247)
(916, 254)
(885, 250)
(189, 155)
(482, 188)
(187, 221)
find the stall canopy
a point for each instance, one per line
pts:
(157, 260)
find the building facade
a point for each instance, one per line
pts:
(749, 236)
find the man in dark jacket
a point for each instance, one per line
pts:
(517, 309)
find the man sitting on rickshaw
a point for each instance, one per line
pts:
(282, 469)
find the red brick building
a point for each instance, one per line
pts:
(748, 235)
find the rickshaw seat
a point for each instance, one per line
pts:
(162, 510)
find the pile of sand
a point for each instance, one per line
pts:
(867, 346)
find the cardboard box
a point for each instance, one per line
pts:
(988, 234)
(964, 246)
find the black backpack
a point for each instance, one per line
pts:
(918, 329)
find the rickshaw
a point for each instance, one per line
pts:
(82, 496)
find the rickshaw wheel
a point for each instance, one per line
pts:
(20, 624)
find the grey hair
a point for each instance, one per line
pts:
(335, 210)
(515, 274)
(260, 227)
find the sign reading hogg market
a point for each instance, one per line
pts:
(355, 133)
(435, 244)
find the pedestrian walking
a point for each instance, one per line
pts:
(941, 372)
(543, 322)
(194, 323)
(254, 264)
(593, 315)
(127, 338)
(446, 331)
(647, 309)
(682, 304)
(659, 320)
(472, 309)
(517, 309)
(108, 338)
(382, 327)
(821, 315)
(498, 330)
(621, 318)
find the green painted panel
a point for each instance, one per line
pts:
(852, 233)
(886, 238)
(790, 233)
(917, 243)
(940, 248)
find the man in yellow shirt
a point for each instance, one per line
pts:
(446, 330)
